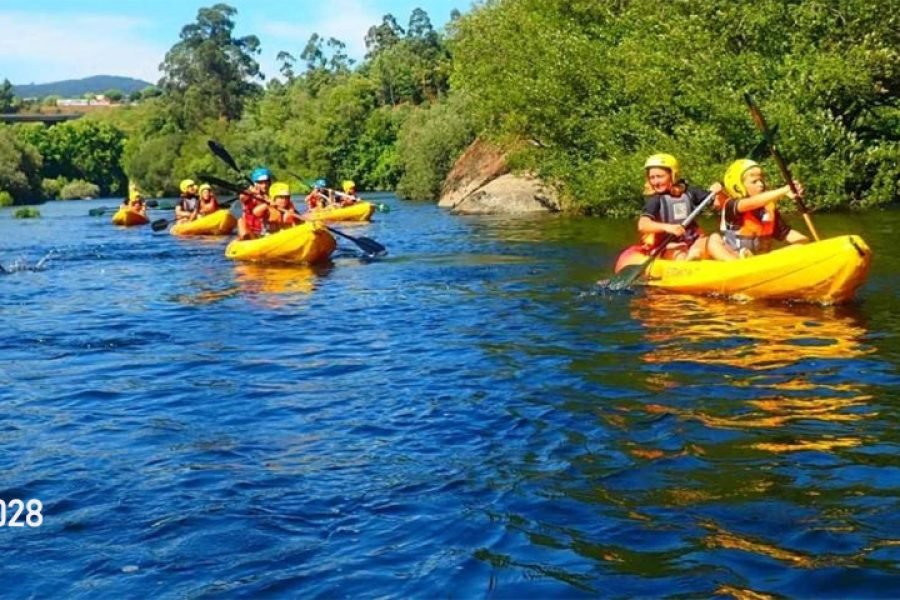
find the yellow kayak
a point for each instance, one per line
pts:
(127, 218)
(221, 222)
(306, 243)
(824, 272)
(359, 211)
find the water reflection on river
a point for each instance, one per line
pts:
(467, 417)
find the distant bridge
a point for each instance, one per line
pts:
(39, 118)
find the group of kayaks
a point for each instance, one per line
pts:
(824, 272)
(309, 243)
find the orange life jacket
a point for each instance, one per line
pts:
(755, 230)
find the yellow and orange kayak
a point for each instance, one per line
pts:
(221, 222)
(127, 218)
(359, 211)
(825, 272)
(306, 243)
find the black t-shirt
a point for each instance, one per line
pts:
(735, 219)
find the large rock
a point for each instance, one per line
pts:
(509, 194)
(480, 183)
(476, 167)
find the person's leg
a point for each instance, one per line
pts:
(717, 249)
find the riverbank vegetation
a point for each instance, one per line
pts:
(592, 87)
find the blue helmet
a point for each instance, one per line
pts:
(261, 174)
(321, 183)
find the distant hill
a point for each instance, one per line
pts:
(75, 88)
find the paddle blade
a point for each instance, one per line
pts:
(225, 185)
(159, 224)
(382, 208)
(625, 278)
(370, 246)
(97, 212)
(220, 151)
(151, 203)
(367, 245)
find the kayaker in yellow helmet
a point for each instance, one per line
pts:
(668, 202)
(189, 203)
(208, 201)
(750, 220)
(349, 196)
(282, 213)
(136, 203)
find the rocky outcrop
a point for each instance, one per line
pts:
(480, 183)
(509, 195)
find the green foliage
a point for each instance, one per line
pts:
(84, 149)
(114, 95)
(7, 98)
(149, 162)
(601, 85)
(20, 165)
(209, 73)
(79, 189)
(430, 141)
(27, 212)
(6, 198)
(51, 188)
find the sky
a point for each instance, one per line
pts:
(53, 40)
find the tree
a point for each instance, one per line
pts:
(383, 36)
(20, 165)
(210, 73)
(114, 95)
(7, 98)
(84, 149)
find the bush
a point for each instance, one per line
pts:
(27, 213)
(429, 143)
(79, 189)
(6, 199)
(53, 187)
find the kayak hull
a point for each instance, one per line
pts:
(307, 243)
(128, 218)
(825, 272)
(360, 211)
(221, 222)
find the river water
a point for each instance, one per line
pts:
(466, 417)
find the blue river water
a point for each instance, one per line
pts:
(467, 417)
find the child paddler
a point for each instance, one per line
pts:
(668, 202)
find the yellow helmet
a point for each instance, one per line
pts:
(348, 186)
(204, 186)
(134, 194)
(664, 161)
(279, 189)
(185, 184)
(734, 177)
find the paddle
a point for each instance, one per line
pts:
(367, 245)
(161, 224)
(101, 210)
(627, 276)
(769, 138)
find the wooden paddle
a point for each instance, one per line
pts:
(627, 276)
(769, 138)
(369, 246)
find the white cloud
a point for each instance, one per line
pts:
(43, 47)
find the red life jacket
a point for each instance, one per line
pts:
(254, 223)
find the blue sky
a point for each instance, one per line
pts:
(50, 40)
